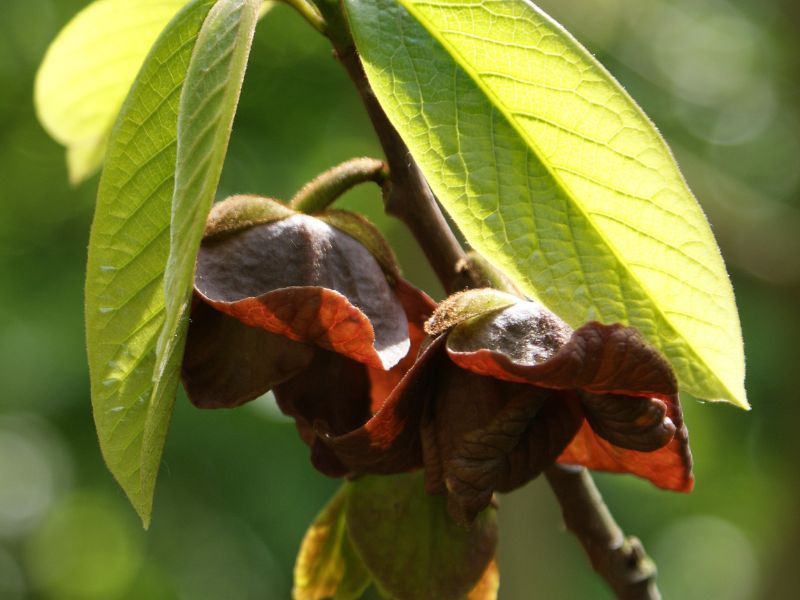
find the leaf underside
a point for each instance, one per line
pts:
(554, 174)
(89, 69)
(130, 240)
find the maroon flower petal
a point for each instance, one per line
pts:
(629, 422)
(418, 307)
(669, 467)
(227, 363)
(389, 442)
(627, 391)
(492, 435)
(549, 434)
(332, 393)
(477, 421)
(527, 344)
(301, 278)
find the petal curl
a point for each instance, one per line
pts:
(227, 363)
(301, 278)
(522, 438)
(526, 344)
(418, 307)
(332, 393)
(669, 467)
(389, 442)
(634, 423)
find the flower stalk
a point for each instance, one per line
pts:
(618, 559)
(322, 191)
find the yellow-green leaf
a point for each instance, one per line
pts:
(88, 71)
(327, 566)
(133, 391)
(208, 104)
(555, 175)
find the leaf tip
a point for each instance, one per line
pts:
(735, 395)
(741, 402)
(144, 508)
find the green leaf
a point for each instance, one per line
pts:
(555, 175)
(205, 118)
(411, 546)
(327, 566)
(129, 249)
(89, 69)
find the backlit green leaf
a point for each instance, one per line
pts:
(205, 118)
(88, 71)
(555, 175)
(130, 241)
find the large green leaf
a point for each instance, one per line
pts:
(89, 69)
(130, 241)
(554, 174)
(208, 105)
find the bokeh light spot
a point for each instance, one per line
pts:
(705, 557)
(34, 467)
(87, 548)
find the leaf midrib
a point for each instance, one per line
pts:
(508, 115)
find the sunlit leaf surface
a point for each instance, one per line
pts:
(205, 118)
(554, 174)
(130, 241)
(89, 69)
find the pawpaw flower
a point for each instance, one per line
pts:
(313, 308)
(505, 389)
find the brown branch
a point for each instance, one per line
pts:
(407, 195)
(621, 561)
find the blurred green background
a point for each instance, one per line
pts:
(720, 78)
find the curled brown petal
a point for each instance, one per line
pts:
(603, 359)
(476, 460)
(334, 412)
(389, 442)
(549, 434)
(304, 279)
(333, 392)
(669, 467)
(525, 333)
(508, 449)
(319, 316)
(629, 422)
(227, 363)
(418, 307)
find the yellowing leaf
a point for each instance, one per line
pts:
(555, 175)
(327, 566)
(88, 71)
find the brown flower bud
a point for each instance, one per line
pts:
(506, 389)
(315, 311)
